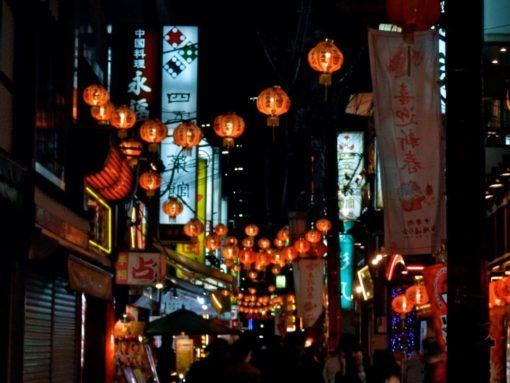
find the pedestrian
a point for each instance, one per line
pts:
(334, 364)
(354, 367)
(239, 368)
(384, 368)
(211, 368)
(310, 369)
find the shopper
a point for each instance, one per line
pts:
(239, 368)
(384, 368)
(335, 364)
(211, 368)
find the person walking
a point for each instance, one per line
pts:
(239, 369)
(211, 368)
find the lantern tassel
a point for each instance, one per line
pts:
(228, 142)
(325, 79)
(273, 121)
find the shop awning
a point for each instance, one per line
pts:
(114, 181)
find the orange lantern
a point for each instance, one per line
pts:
(313, 236)
(413, 15)
(212, 242)
(194, 228)
(123, 118)
(273, 102)
(276, 269)
(252, 274)
(279, 243)
(401, 305)
(153, 132)
(102, 113)
(187, 135)
(323, 225)
(325, 58)
(289, 254)
(263, 259)
(231, 241)
(246, 257)
(239, 296)
(417, 295)
(229, 262)
(252, 290)
(225, 293)
(248, 242)
(95, 95)
(229, 126)
(236, 268)
(132, 149)
(302, 246)
(230, 251)
(172, 207)
(283, 234)
(264, 243)
(502, 289)
(271, 288)
(150, 181)
(220, 229)
(494, 301)
(251, 230)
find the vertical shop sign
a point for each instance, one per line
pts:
(134, 268)
(178, 104)
(309, 285)
(346, 270)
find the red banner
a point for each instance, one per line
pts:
(133, 268)
(435, 278)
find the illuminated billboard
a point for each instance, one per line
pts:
(350, 178)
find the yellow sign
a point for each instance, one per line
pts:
(184, 354)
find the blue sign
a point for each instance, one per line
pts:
(346, 266)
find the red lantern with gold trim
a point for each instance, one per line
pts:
(246, 257)
(273, 102)
(132, 150)
(123, 119)
(413, 15)
(283, 234)
(153, 132)
(313, 236)
(248, 242)
(220, 230)
(289, 254)
(302, 246)
(229, 126)
(401, 305)
(102, 113)
(187, 135)
(417, 295)
(230, 252)
(502, 289)
(95, 95)
(212, 242)
(325, 58)
(264, 243)
(150, 181)
(251, 230)
(172, 207)
(194, 228)
(279, 243)
(323, 225)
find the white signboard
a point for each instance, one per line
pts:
(350, 179)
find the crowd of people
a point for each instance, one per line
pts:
(289, 360)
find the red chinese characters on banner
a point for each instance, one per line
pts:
(134, 268)
(309, 285)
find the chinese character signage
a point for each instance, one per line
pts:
(178, 104)
(309, 285)
(133, 268)
(142, 72)
(346, 270)
(435, 278)
(408, 127)
(350, 179)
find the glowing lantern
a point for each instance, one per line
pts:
(150, 181)
(273, 102)
(220, 230)
(230, 251)
(246, 257)
(173, 207)
(278, 259)
(231, 241)
(401, 305)
(276, 269)
(95, 95)
(229, 126)
(251, 230)
(279, 243)
(264, 243)
(212, 242)
(413, 15)
(229, 263)
(323, 225)
(239, 296)
(313, 236)
(289, 254)
(271, 288)
(263, 259)
(123, 118)
(102, 113)
(236, 268)
(187, 135)
(225, 293)
(248, 242)
(252, 274)
(417, 295)
(194, 228)
(252, 290)
(283, 234)
(153, 132)
(302, 246)
(325, 58)
(502, 289)
(132, 149)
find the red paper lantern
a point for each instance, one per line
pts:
(246, 257)
(413, 15)
(313, 236)
(273, 102)
(276, 269)
(231, 241)
(229, 126)
(252, 274)
(187, 135)
(173, 207)
(102, 113)
(132, 149)
(212, 242)
(123, 119)
(279, 243)
(230, 252)
(325, 58)
(220, 229)
(401, 305)
(251, 230)
(323, 225)
(95, 95)
(302, 246)
(283, 234)
(194, 228)
(289, 254)
(417, 295)
(263, 259)
(264, 243)
(502, 289)
(248, 242)
(271, 288)
(150, 181)
(153, 132)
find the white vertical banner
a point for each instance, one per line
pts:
(309, 287)
(179, 103)
(350, 179)
(408, 128)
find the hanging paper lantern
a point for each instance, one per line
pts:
(194, 228)
(220, 229)
(289, 254)
(277, 258)
(187, 135)
(95, 95)
(417, 295)
(240, 296)
(229, 263)
(102, 113)
(231, 241)
(283, 234)
(401, 305)
(248, 242)
(246, 257)
(252, 290)
(132, 150)
(264, 243)
(229, 252)
(325, 58)
(212, 242)
(302, 246)
(271, 288)
(313, 236)
(252, 274)
(273, 102)
(123, 119)
(323, 225)
(236, 268)
(251, 230)
(413, 15)
(150, 181)
(153, 132)
(263, 259)
(279, 243)
(502, 289)
(225, 293)
(172, 207)
(229, 126)
(276, 269)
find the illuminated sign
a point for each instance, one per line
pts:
(350, 178)
(178, 104)
(101, 231)
(346, 270)
(366, 283)
(281, 281)
(136, 268)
